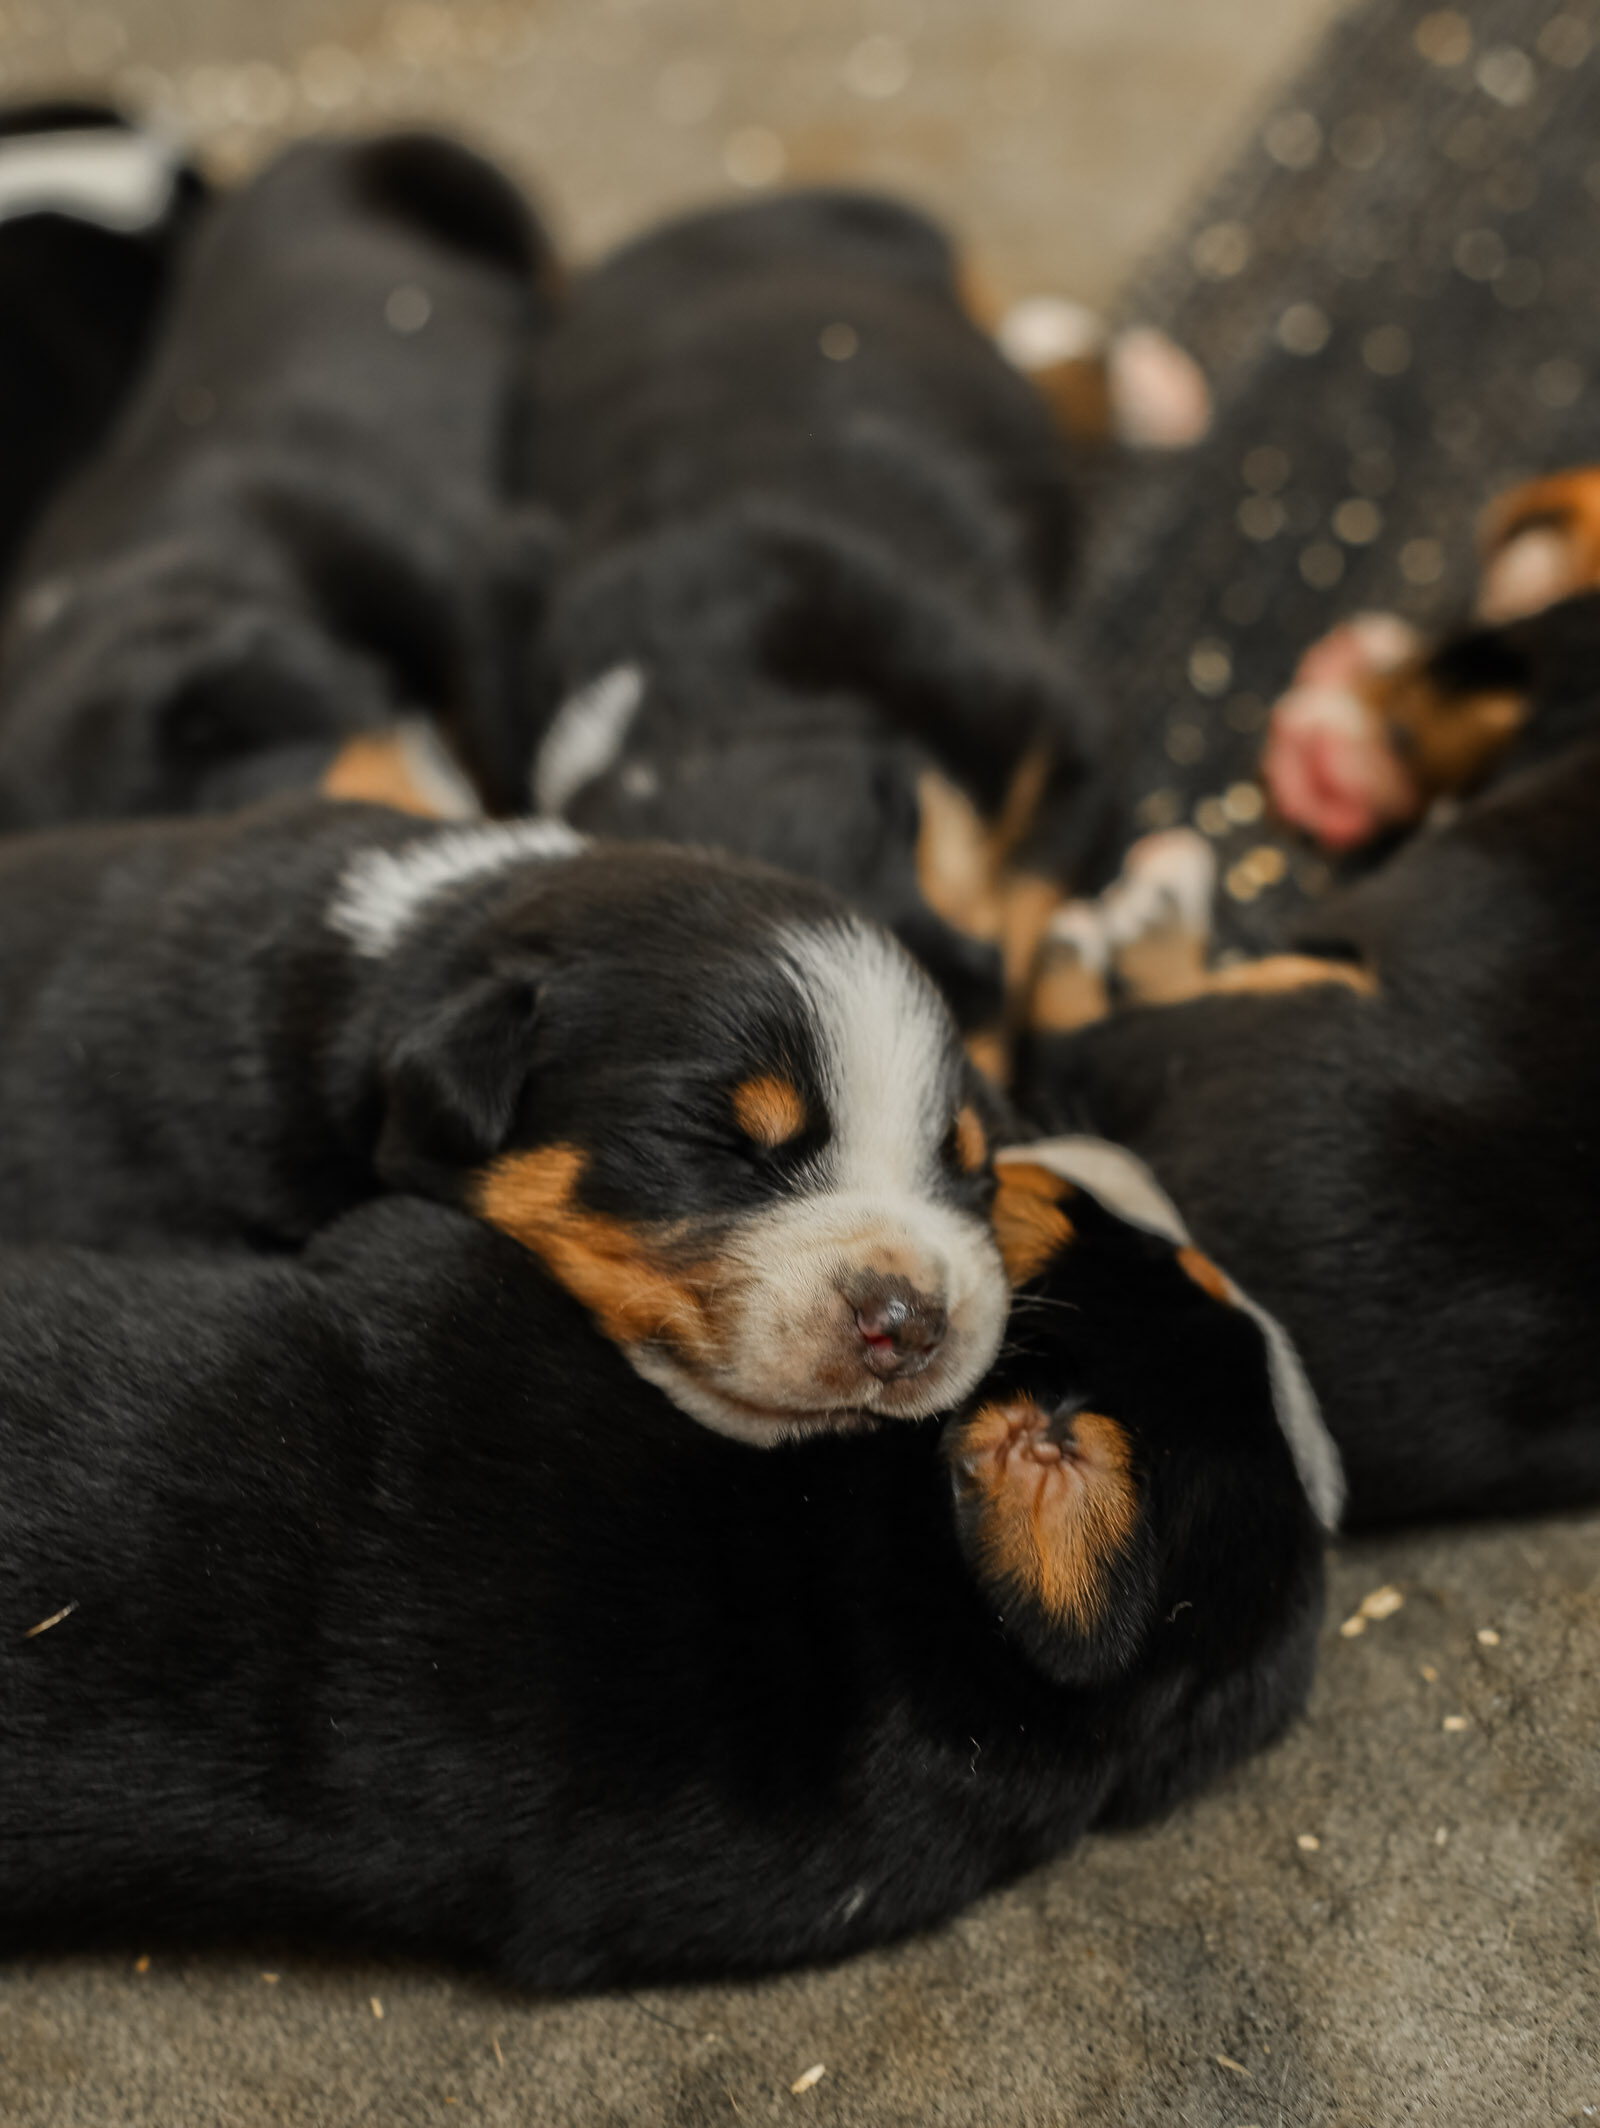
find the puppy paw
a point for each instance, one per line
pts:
(1069, 974)
(1158, 915)
(1329, 764)
(1047, 1511)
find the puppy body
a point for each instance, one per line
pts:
(1403, 1166)
(380, 1601)
(294, 536)
(819, 531)
(732, 1117)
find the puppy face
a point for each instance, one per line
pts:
(733, 1118)
(1143, 1475)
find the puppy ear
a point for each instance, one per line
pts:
(453, 1082)
(1049, 1515)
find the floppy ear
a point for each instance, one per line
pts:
(1049, 1514)
(453, 1081)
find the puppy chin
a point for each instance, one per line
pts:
(759, 1424)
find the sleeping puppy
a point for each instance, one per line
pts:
(1379, 725)
(728, 1114)
(94, 212)
(819, 529)
(1388, 1131)
(294, 540)
(370, 1597)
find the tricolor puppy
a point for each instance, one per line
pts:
(731, 1116)
(819, 532)
(1379, 725)
(292, 551)
(1388, 1130)
(486, 1653)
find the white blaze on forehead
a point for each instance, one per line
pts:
(381, 891)
(889, 1054)
(1122, 1182)
(586, 735)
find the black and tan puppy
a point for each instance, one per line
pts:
(371, 1597)
(819, 534)
(294, 539)
(1389, 1131)
(731, 1116)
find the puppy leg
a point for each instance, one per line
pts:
(1157, 917)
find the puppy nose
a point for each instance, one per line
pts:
(901, 1327)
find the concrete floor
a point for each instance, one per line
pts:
(1393, 1918)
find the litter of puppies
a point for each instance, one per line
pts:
(546, 1033)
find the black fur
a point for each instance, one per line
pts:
(295, 533)
(403, 1613)
(1411, 1181)
(833, 574)
(189, 1049)
(78, 300)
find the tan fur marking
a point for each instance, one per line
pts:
(1163, 965)
(614, 1269)
(1052, 1527)
(987, 1051)
(956, 858)
(1028, 1221)
(373, 768)
(1288, 971)
(1450, 741)
(1567, 502)
(769, 1109)
(1065, 994)
(1209, 1277)
(972, 1140)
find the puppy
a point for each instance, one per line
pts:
(294, 540)
(1379, 725)
(819, 529)
(732, 1117)
(94, 213)
(1388, 1131)
(371, 1597)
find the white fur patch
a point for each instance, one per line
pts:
(586, 735)
(1126, 1186)
(381, 891)
(1167, 879)
(97, 174)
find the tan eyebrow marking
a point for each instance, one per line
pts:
(769, 1109)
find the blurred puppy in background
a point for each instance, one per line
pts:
(820, 531)
(291, 554)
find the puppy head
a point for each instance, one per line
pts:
(732, 1117)
(1144, 1474)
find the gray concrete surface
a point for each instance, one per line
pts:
(1395, 1917)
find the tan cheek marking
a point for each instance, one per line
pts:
(373, 769)
(972, 1140)
(1209, 1277)
(1029, 1224)
(1289, 971)
(769, 1109)
(614, 1269)
(1055, 1527)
